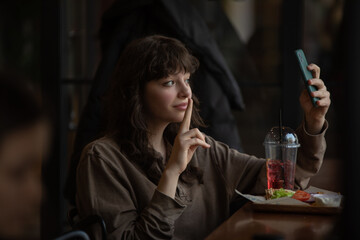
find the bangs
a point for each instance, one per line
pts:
(170, 57)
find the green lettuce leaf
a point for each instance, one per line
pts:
(279, 193)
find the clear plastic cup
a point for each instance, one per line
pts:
(281, 152)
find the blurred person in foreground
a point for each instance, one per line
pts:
(24, 134)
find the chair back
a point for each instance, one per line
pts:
(86, 222)
(74, 235)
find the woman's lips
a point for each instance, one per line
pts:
(182, 106)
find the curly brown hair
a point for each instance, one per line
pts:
(144, 60)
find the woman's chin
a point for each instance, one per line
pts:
(179, 120)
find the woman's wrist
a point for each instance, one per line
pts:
(168, 182)
(171, 173)
(314, 126)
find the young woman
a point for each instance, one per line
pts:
(155, 175)
(24, 135)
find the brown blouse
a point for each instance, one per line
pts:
(114, 187)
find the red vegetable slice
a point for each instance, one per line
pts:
(301, 195)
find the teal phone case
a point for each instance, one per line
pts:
(306, 74)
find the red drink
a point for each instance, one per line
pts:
(279, 174)
(281, 144)
(289, 174)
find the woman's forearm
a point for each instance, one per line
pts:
(168, 183)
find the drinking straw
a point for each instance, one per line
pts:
(281, 147)
(280, 125)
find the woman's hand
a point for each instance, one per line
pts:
(315, 116)
(186, 143)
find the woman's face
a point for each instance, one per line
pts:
(166, 99)
(21, 153)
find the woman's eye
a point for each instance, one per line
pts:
(187, 81)
(169, 83)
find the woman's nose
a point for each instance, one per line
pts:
(185, 91)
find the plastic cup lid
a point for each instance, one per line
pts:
(288, 137)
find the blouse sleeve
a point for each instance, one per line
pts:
(248, 173)
(101, 190)
(240, 171)
(310, 156)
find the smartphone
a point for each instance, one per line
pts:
(306, 74)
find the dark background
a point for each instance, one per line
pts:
(55, 45)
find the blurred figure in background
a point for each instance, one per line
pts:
(24, 135)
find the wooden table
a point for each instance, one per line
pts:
(246, 223)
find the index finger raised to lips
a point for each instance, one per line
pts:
(185, 124)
